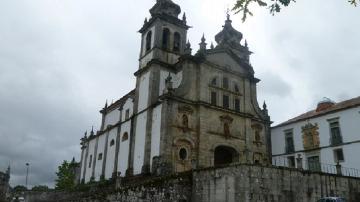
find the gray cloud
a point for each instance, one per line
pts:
(60, 61)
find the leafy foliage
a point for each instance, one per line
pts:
(40, 188)
(19, 188)
(353, 2)
(274, 6)
(65, 176)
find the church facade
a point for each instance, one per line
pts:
(186, 111)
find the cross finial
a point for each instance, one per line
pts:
(228, 13)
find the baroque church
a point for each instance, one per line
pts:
(186, 111)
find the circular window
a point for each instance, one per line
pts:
(182, 153)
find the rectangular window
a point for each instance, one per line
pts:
(314, 163)
(213, 98)
(338, 155)
(127, 114)
(289, 141)
(335, 134)
(100, 156)
(90, 161)
(226, 101)
(237, 104)
(225, 83)
(291, 161)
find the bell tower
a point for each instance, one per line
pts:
(163, 36)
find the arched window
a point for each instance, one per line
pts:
(177, 40)
(125, 137)
(165, 38)
(148, 41)
(236, 88)
(185, 121)
(183, 154)
(257, 136)
(214, 81)
(237, 104)
(226, 101)
(213, 97)
(112, 142)
(225, 83)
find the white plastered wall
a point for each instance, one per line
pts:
(128, 105)
(140, 142)
(83, 155)
(100, 150)
(155, 132)
(91, 153)
(349, 120)
(143, 91)
(112, 117)
(124, 149)
(110, 156)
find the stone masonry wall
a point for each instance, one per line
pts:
(138, 189)
(250, 183)
(237, 183)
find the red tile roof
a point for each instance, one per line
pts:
(354, 102)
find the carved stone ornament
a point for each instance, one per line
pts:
(226, 119)
(185, 109)
(310, 136)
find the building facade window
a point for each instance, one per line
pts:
(214, 82)
(236, 88)
(226, 101)
(289, 141)
(100, 156)
(165, 38)
(148, 41)
(213, 98)
(335, 133)
(183, 154)
(237, 104)
(257, 136)
(314, 163)
(225, 83)
(125, 137)
(177, 42)
(339, 155)
(291, 161)
(127, 114)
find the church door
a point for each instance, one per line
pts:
(225, 155)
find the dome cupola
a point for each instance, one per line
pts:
(228, 35)
(165, 7)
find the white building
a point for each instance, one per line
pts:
(320, 138)
(186, 111)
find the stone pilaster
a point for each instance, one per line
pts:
(94, 157)
(105, 154)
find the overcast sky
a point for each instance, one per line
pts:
(61, 59)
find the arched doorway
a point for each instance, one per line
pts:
(225, 155)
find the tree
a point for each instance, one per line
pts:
(66, 176)
(242, 6)
(20, 188)
(40, 188)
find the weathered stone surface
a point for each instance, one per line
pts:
(245, 183)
